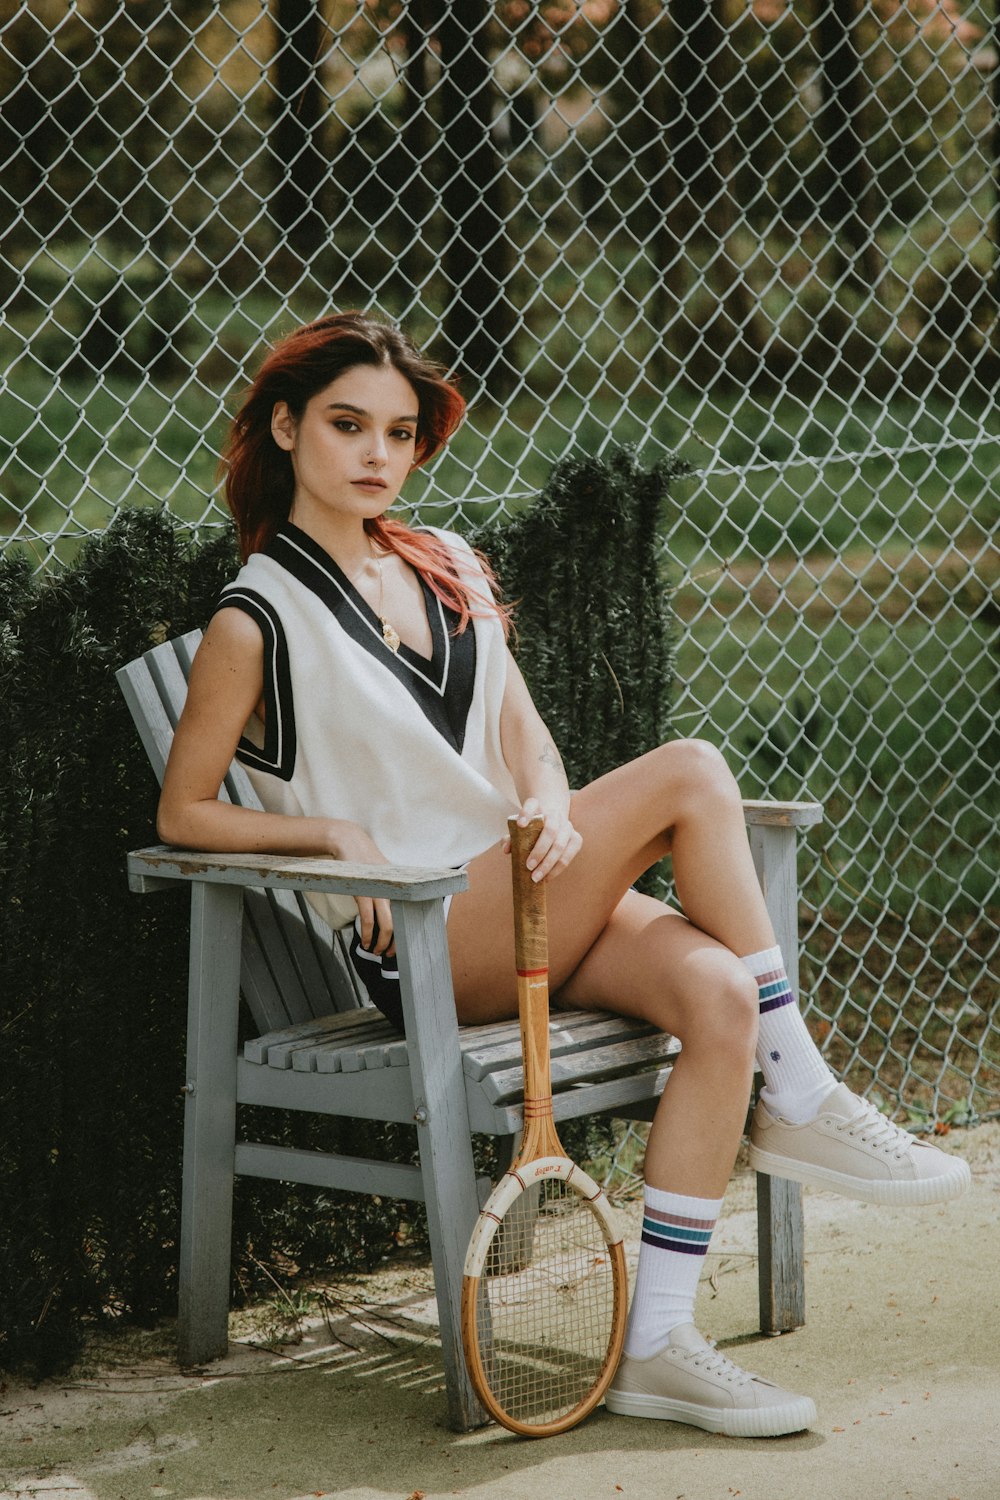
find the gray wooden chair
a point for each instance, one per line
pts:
(320, 1048)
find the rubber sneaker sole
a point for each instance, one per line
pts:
(910, 1193)
(747, 1422)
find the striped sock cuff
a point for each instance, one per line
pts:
(774, 990)
(675, 1232)
(675, 1221)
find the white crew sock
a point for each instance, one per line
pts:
(675, 1235)
(796, 1079)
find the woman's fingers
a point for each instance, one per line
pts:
(383, 916)
(376, 925)
(563, 847)
(557, 844)
(530, 808)
(366, 913)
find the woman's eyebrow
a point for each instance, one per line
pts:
(359, 411)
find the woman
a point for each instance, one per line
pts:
(359, 669)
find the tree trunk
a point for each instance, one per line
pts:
(698, 124)
(848, 204)
(701, 135)
(655, 169)
(294, 137)
(477, 255)
(417, 198)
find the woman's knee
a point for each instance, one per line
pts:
(700, 769)
(722, 1015)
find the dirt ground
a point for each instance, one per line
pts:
(901, 1352)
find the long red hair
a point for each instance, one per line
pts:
(259, 482)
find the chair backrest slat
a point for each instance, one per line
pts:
(294, 966)
(142, 695)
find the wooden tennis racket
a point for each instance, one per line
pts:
(545, 1291)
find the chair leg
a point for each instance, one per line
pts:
(444, 1135)
(780, 1260)
(209, 1123)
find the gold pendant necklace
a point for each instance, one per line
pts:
(389, 634)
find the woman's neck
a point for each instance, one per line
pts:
(343, 537)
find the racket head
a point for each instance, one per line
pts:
(544, 1298)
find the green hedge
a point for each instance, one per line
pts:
(593, 614)
(93, 979)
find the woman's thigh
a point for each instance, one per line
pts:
(624, 819)
(644, 960)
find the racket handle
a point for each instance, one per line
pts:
(531, 946)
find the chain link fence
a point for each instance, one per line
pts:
(762, 234)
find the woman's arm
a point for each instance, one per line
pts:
(537, 769)
(225, 686)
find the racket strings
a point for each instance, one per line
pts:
(546, 1304)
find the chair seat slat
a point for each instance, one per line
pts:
(594, 1030)
(269, 1048)
(585, 1067)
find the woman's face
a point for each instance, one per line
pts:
(353, 445)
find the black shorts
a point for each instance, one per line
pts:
(379, 975)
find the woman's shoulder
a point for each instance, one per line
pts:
(259, 577)
(233, 643)
(450, 538)
(458, 548)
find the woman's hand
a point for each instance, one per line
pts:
(557, 845)
(350, 842)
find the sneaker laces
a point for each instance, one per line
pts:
(714, 1362)
(872, 1127)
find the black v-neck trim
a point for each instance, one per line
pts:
(314, 567)
(441, 684)
(277, 754)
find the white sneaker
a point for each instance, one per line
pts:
(853, 1149)
(690, 1381)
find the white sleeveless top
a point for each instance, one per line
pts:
(409, 748)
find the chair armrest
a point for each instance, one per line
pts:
(159, 867)
(783, 814)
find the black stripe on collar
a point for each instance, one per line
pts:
(442, 685)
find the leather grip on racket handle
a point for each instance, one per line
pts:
(531, 944)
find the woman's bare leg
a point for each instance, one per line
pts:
(652, 963)
(612, 948)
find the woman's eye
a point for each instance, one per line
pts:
(405, 434)
(344, 424)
